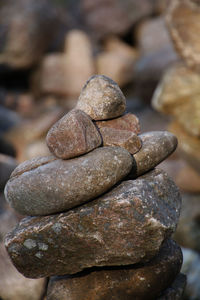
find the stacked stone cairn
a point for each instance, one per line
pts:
(100, 214)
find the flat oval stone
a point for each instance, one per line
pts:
(156, 146)
(73, 135)
(59, 185)
(101, 98)
(121, 283)
(125, 226)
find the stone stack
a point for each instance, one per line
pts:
(99, 213)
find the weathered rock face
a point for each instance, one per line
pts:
(156, 146)
(111, 230)
(183, 21)
(44, 187)
(122, 138)
(126, 122)
(73, 135)
(121, 283)
(13, 285)
(101, 98)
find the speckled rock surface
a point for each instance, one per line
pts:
(175, 292)
(125, 226)
(13, 285)
(126, 122)
(132, 282)
(73, 135)
(59, 185)
(101, 98)
(122, 138)
(156, 146)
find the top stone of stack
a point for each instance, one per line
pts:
(101, 98)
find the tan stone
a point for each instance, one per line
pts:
(126, 122)
(188, 180)
(73, 135)
(101, 98)
(177, 87)
(183, 22)
(122, 138)
(138, 283)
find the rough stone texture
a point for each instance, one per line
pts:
(120, 15)
(7, 165)
(41, 188)
(101, 98)
(122, 138)
(188, 145)
(125, 226)
(156, 146)
(175, 292)
(26, 31)
(13, 285)
(183, 22)
(121, 283)
(73, 135)
(191, 267)
(127, 122)
(188, 229)
(176, 88)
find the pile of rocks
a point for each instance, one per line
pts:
(99, 211)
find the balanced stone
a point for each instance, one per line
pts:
(55, 186)
(126, 122)
(122, 138)
(127, 283)
(73, 135)
(156, 146)
(101, 98)
(125, 226)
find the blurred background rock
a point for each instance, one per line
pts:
(151, 48)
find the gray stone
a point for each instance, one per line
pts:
(73, 135)
(127, 283)
(125, 226)
(156, 146)
(55, 186)
(175, 292)
(13, 285)
(101, 98)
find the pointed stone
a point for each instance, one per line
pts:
(43, 186)
(125, 226)
(126, 122)
(122, 138)
(121, 283)
(101, 98)
(73, 135)
(156, 146)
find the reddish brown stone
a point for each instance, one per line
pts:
(73, 135)
(125, 226)
(47, 185)
(101, 98)
(139, 283)
(126, 122)
(122, 138)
